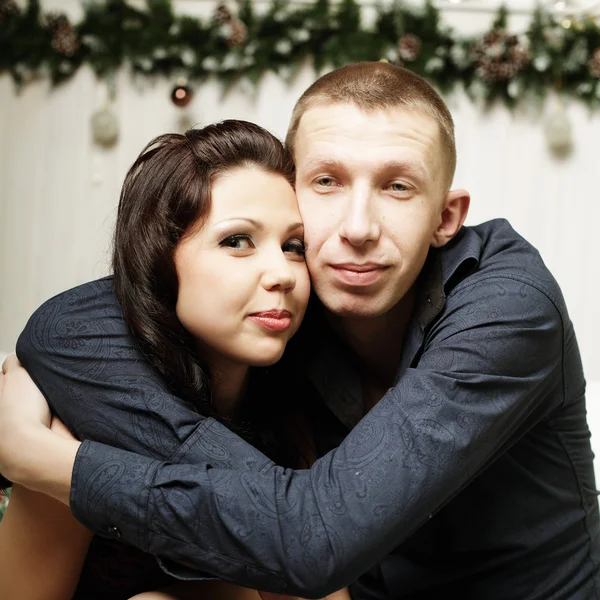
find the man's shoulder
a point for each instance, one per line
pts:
(505, 255)
(89, 298)
(71, 317)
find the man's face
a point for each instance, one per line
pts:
(371, 191)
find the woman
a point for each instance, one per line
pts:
(209, 270)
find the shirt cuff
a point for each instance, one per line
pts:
(110, 490)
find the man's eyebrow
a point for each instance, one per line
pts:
(256, 224)
(324, 163)
(407, 166)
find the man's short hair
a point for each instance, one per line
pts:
(375, 86)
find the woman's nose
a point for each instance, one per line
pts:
(279, 274)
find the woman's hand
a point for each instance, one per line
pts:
(23, 410)
(31, 453)
(21, 401)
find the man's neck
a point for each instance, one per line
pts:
(376, 343)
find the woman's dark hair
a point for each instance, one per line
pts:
(166, 194)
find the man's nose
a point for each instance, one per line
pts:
(278, 273)
(359, 223)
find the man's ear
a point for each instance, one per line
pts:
(454, 213)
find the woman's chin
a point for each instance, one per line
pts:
(266, 359)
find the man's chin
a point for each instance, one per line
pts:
(355, 307)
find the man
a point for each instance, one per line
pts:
(470, 477)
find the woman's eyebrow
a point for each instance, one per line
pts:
(253, 222)
(256, 224)
(294, 226)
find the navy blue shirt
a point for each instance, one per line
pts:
(472, 476)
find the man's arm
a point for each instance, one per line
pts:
(487, 375)
(80, 353)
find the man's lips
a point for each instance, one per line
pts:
(359, 267)
(359, 274)
(273, 320)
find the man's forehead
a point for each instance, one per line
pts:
(346, 123)
(321, 113)
(341, 135)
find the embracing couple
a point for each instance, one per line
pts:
(424, 434)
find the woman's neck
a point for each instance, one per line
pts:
(228, 385)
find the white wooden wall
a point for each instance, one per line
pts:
(59, 192)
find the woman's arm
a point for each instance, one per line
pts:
(42, 548)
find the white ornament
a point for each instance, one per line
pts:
(541, 62)
(210, 64)
(558, 132)
(105, 127)
(283, 47)
(300, 35)
(434, 64)
(459, 56)
(188, 57)
(514, 88)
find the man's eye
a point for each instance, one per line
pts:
(326, 181)
(239, 241)
(397, 186)
(295, 246)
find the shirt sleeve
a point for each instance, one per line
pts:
(490, 370)
(80, 353)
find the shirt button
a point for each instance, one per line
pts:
(114, 532)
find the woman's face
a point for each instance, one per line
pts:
(243, 282)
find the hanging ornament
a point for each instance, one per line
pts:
(558, 132)
(182, 93)
(105, 127)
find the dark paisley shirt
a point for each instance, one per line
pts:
(472, 477)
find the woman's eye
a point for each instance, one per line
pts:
(239, 241)
(295, 246)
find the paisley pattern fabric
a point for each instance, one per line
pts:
(471, 478)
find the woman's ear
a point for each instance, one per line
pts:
(454, 213)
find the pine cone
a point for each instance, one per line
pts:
(238, 34)
(8, 8)
(499, 56)
(594, 63)
(409, 47)
(65, 42)
(55, 21)
(222, 14)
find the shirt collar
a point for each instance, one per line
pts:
(442, 271)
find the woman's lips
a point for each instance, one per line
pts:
(273, 320)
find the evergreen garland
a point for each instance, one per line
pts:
(553, 53)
